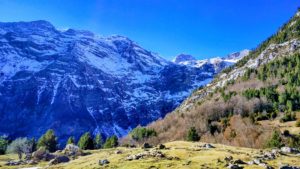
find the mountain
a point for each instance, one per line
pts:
(180, 59)
(248, 102)
(217, 63)
(74, 81)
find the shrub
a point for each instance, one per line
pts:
(261, 117)
(212, 129)
(294, 141)
(298, 123)
(288, 117)
(225, 122)
(193, 135)
(98, 141)
(48, 140)
(233, 134)
(111, 142)
(286, 133)
(34, 144)
(86, 142)
(228, 96)
(71, 140)
(141, 133)
(20, 146)
(3, 145)
(275, 140)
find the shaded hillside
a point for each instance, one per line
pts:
(262, 86)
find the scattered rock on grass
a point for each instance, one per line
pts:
(228, 159)
(289, 150)
(31, 162)
(239, 161)
(151, 153)
(42, 154)
(103, 162)
(147, 145)
(234, 166)
(288, 167)
(269, 156)
(59, 159)
(14, 163)
(161, 146)
(208, 146)
(72, 150)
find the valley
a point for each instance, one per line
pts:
(72, 99)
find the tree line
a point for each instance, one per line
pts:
(50, 143)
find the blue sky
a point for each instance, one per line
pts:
(203, 28)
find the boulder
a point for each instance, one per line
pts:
(59, 159)
(250, 163)
(173, 158)
(208, 146)
(264, 165)
(152, 153)
(269, 156)
(257, 161)
(103, 162)
(42, 154)
(228, 159)
(289, 150)
(133, 157)
(275, 151)
(118, 152)
(234, 166)
(72, 150)
(239, 161)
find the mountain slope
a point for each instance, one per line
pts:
(74, 81)
(262, 86)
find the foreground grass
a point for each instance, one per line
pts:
(189, 157)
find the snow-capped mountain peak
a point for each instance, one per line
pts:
(217, 63)
(183, 58)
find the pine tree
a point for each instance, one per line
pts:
(71, 140)
(34, 144)
(3, 145)
(111, 142)
(193, 135)
(98, 141)
(86, 142)
(48, 140)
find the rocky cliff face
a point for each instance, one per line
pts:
(74, 81)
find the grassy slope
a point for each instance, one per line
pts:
(186, 151)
